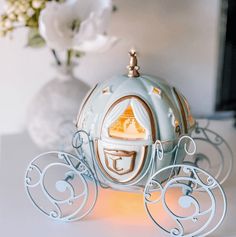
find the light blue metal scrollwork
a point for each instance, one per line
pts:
(191, 209)
(80, 140)
(65, 186)
(219, 162)
(61, 186)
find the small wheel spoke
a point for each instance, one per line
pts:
(179, 208)
(214, 154)
(61, 186)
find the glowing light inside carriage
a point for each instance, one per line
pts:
(149, 172)
(127, 127)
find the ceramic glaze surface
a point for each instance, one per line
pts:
(124, 118)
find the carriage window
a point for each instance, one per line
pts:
(127, 127)
(189, 114)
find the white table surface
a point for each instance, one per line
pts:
(113, 216)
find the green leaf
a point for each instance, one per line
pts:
(35, 40)
(78, 54)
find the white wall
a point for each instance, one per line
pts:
(177, 40)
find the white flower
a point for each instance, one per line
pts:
(37, 4)
(77, 24)
(30, 12)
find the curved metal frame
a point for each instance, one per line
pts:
(87, 172)
(210, 137)
(76, 169)
(189, 183)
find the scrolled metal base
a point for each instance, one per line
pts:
(213, 153)
(61, 186)
(179, 208)
(65, 187)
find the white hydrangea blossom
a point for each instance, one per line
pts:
(77, 24)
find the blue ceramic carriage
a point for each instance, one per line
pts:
(135, 133)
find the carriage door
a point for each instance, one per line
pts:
(127, 129)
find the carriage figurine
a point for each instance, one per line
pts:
(136, 133)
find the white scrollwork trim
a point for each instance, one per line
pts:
(76, 173)
(224, 159)
(189, 181)
(158, 149)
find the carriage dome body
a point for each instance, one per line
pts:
(125, 117)
(134, 132)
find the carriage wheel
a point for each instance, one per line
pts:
(213, 153)
(61, 186)
(179, 207)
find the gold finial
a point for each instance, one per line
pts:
(133, 64)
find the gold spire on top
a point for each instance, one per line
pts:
(133, 65)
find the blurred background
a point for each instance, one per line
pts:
(181, 41)
(191, 44)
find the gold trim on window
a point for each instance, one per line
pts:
(185, 124)
(153, 128)
(156, 91)
(106, 90)
(127, 127)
